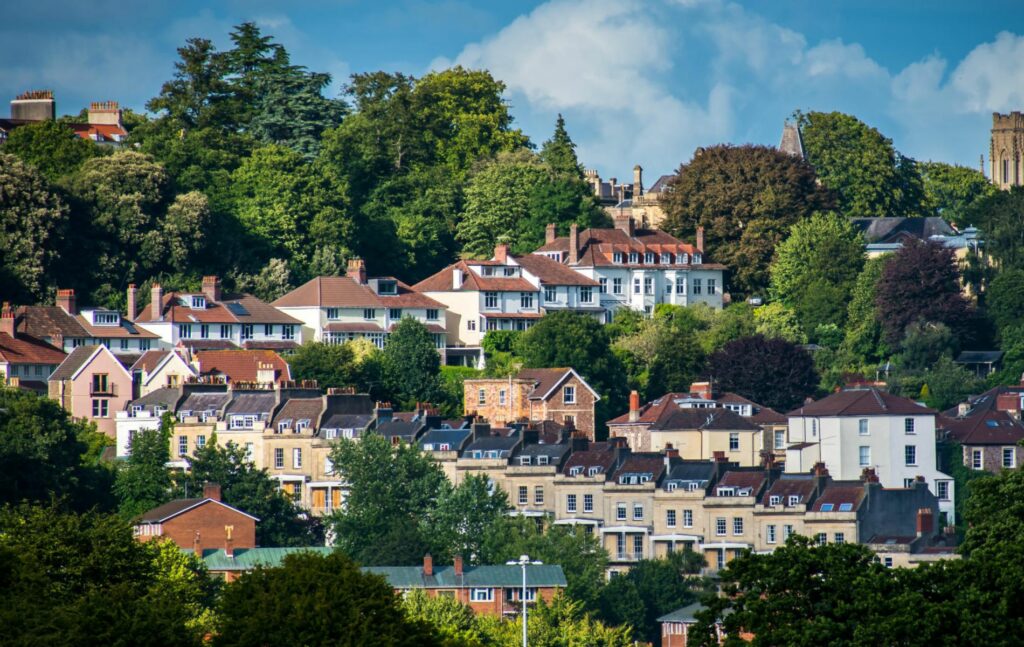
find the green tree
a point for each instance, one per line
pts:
(462, 515)
(45, 454)
(185, 228)
(1005, 298)
(33, 227)
(292, 111)
(331, 365)
(392, 493)
(951, 190)
(920, 282)
(580, 554)
(664, 354)
(775, 320)
(925, 344)
(559, 152)
(746, 198)
(1000, 217)
(142, 481)
(101, 586)
(823, 252)
(570, 339)
(562, 623)
(781, 378)
(452, 392)
(734, 321)
(250, 490)
(184, 577)
(863, 341)
(650, 589)
(315, 600)
(410, 363)
(949, 383)
(452, 620)
(271, 282)
(51, 147)
(869, 177)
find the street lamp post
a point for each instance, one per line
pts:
(523, 562)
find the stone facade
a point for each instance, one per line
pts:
(993, 459)
(1006, 150)
(535, 395)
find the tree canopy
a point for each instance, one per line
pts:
(772, 372)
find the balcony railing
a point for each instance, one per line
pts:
(108, 389)
(629, 556)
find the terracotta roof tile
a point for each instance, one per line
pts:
(838, 493)
(149, 360)
(345, 292)
(232, 308)
(551, 272)
(861, 402)
(27, 350)
(442, 281)
(240, 365)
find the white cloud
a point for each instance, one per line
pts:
(991, 77)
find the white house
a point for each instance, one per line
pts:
(863, 428)
(336, 309)
(638, 268)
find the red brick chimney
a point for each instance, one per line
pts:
(458, 565)
(428, 565)
(634, 406)
(7, 320)
(66, 301)
(211, 491)
(925, 522)
(701, 390)
(700, 240)
(156, 301)
(574, 244)
(549, 234)
(625, 223)
(718, 457)
(670, 451)
(356, 270)
(132, 308)
(501, 252)
(211, 288)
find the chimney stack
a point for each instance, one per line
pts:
(701, 390)
(550, 234)
(638, 181)
(7, 320)
(428, 565)
(624, 222)
(66, 301)
(634, 406)
(456, 278)
(501, 252)
(574, 244)
(383, 412)
(458, 565)
(34, 105)
(156, 302)
(700, 239)
(211, 288)
(106, 113)
(925, 522)
(357, 270)
(266, 373)
(211, 491)
(133, 296)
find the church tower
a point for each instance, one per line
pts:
(1006, 149)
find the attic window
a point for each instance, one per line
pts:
(744, 492)
(991, 423)
(845, 507)
(634, 257)
(696, 259)
(671, 487)
(106, 318)
(593, 471)
(542, 460)
(198, 302)
(284, 424)
(774, 499)
(649, 258)
(525, 460)
(684, 258)
(726, 491)
(387, 287)
(575, 470)
(617, 258)
(793, 500)
(330, 433)
(827, 507)
(692, 487)
(302, 424)
(444, 447)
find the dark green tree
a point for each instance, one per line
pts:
(292, 111)
(142, 481)
(863, 342)
(920, 282)
(869, 177)
(410, 363)
(559, 152)
(51, 147)
(951, 191)
(331, 365)
(664, 354)
(315, 600)
(949, 384)
(925, 343)
(1000, 217)
(250, 490)
(746, 198)
(781, 378)
(1005, 298)
(393, 490)
(33, 230)
(46, 455)
(458, 523)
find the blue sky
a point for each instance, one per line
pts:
(638, 82)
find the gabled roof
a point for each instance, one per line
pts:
(252, 403)
(983, 423)
(28, 350)
(660, 184)
(296, 409)
(44, 322)
(596, 455)
(149, 360)
(345, 292)
(862, 402)
(178, 507)
(78, 359)
(166, 397)
(597, 247)
(642, 463)
(896, 229)
(551, 272)
(240, 365)
(472, 282)
(787, 485)
(715, 419)
(232, 308)
(547, 380)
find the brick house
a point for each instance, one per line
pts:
(93, 385)
(25, 362)
(988, 429)
(200, 524)
(537, 394)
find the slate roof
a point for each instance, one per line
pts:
(240, 365)
(205, 401)
(642, 463)
(984, 423)
(232, 308)
(660, 184)
(492, 442)
(345, 292)
(762, 415)
(27, 350)
(452, 437)
(405, 429)
(741, 480)
(74, 361)
(472, 281)
(687, 615)
(296, 409)
(979, 357)
(895, 230)
(166, 397)
(862, 402)
(839, 492)
(554, 452)
(596, 455)
(787, 485)
(252, 403)
(716, 419)
(551, 272)
(546, 379)
(683, 470)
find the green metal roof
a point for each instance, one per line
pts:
(686, 614)
(399, 577)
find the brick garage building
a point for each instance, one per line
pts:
(201, 524)
(556, 394)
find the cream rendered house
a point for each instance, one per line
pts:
(158, 369)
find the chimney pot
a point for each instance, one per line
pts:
(428, 565)
(156, 298)
(357, 270)
(211, 491)
(624, 222)
(549, 234)
(7, 320)
(458, 565)
(66, 301)
(574, 244)
(211, 288)
(634, 406)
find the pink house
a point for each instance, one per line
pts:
(91, 384)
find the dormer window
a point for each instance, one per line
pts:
(284, 424)
(575, 470)
(684, 258)
(106, 318)
(183, 414)
(525, 460)
(593, 471)
(488, 271)
(634, 258)
(387, 287)
(774, 499)
(692, 487)
(649, 258)
(671, 487)
(618, 258)
(696, 259)
(794, 500)
(745, 492)
(510, 271)
(542, 460)
(726, 491)
(666, 259)
(302, 424)
(198, 302)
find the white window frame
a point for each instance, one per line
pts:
(569, 395)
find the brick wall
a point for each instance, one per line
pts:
(556, 409)
(209, 519)
(516, 406)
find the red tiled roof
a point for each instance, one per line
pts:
(344, 292)
(787, 487)
(46, 321)
(472, 282)
(551, 272)
(985, 428)
(149, 360)
(862, 402)
(258, 312)
(253, 344)
(240, 365)
(99, 132)
(544, 379)
(512, 315)
(598, 246)
(838, 493)
(651, 411)
(742, 480)
(27, 350)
